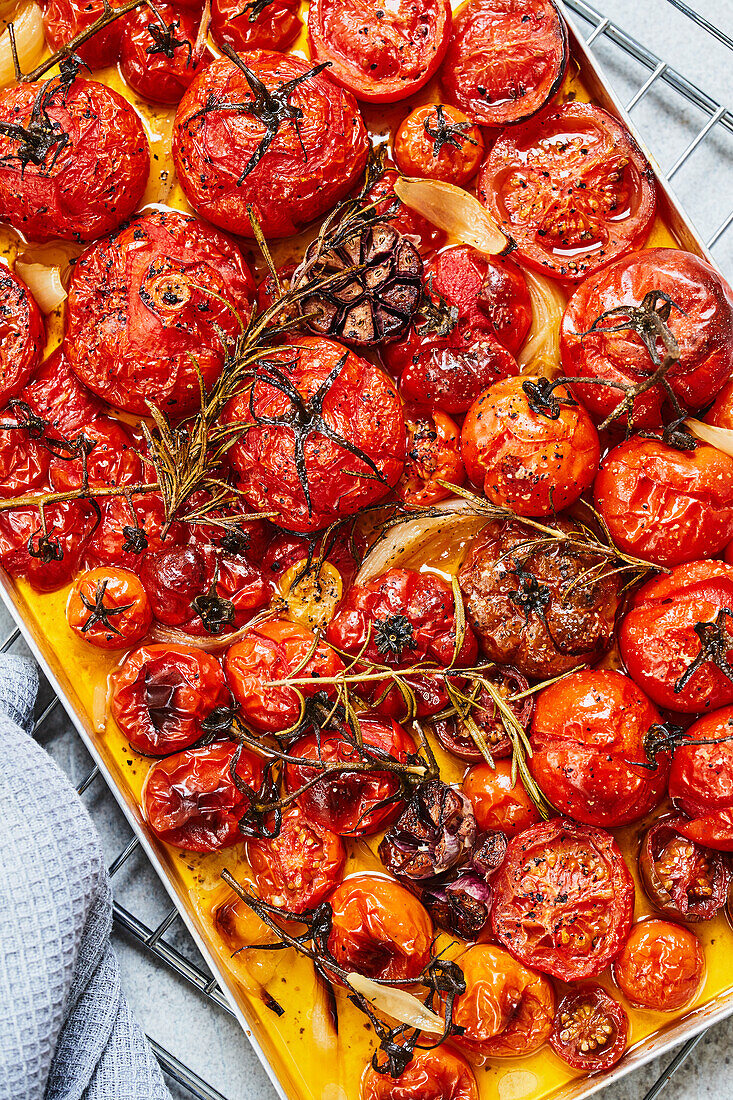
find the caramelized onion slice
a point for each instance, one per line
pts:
(540, 353)
(44, 283)
(29, 40)
(453, 210)
(722, 438)
(397, 1003)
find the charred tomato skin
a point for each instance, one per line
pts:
(684, 880)
(442, 1073)
(22, 335)
(661, 966)
(701, 781)
(124, 614)
(590, 1015)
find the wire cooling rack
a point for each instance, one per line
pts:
(706, 128)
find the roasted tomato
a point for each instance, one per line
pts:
(191, 800)
(563, 899)
(701, 781)
(499, 804)
(272, 651)
(433, 455)
(379, 929)
(699, 317)
(110, 458)
(466, 339)
(126, 534)
(677, 638)
(238, 926)
(507, 1009)
(300, 867)
(108, 608)
(159, 53)
(456, 739)
(147, 308)
(666, 505)
(591, 1029)
(64, 19)
(683, 880)
(438, 1074)
(351, 803)
(289, 162)
(439, 143)
(661, 966)
(287, 549)
(535, 607)
(95, 167)
(328, 436)
(380, 55)
(56, 394)
(47, 558)
(410, 224)
(589, 749)
(24, 462)
(523, 455)
(506, 60)
(22, 335)
(572, 189)
(399, 619)
(255, 24)
(721, 413)
(162, 695)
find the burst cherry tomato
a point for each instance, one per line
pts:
(238, 926)
(683, 880)
(148, 306)
(316, 152)
(286, 549)
(665, 505)
(499, 805)
(591, 1029)
(433, 455)
(336, 411)
(524, 456)
(380, 54)
(701, 781)
(110, 460)
(439, 1074)
(24, 462)
(506, 60)
(108, 608)
(563, 899)
(571, 188)
(589, 749)
(159, 55)
(300, 867)
(46, 559)
(56, 394)
(661, 966)
(379, 929)
(191, 800)
(84, 186)
(661, 637)
(22, 335)
(439, 143)
(118, 539)
(65, 19)
(255, 25)
(410, 224)
(456, 739)
(507, 1009)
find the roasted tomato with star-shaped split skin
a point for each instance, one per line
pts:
(65, 19)
(22, 335)
(300, 867)
(160, 53)
(48, 559)
(87, 169)
(275, 135)
(326, 435)
(255, 24)
(439, 142)
(108, 608)
(147, 307)
(701, 781)
(571, 188)
(126, 533)
(441, 1074)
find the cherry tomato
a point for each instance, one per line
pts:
(506, 60)
(701, 321)
(524, 457)
(117, 540)
(721, 413)
(162, 695)
(381, 197)
(701, 781)
(272, 651)
(433, 455)
(46, 559)
(591, 1029)
(108, 608)
(223, 160)
(149, 304)
(300, 867)
(660, 643)
(56, 394)
(499, 805)
(381, 54)
(661, 966)
(350, 436)
(84, 186)
(571, 188)
(239, 926)
(354, 803)
(507, 1009)
(457, 740)
(65, 19)
(439, 143)
(438, 1074)
(379, 929)
(190, 799)
(683, 880)
(255, 24)
(22, 335)
(665, 505)
(23, 461)
(480, 316)
(588, 732)
(399, 619)
(159, 55)
(286, 549)
(563, 899)
(111, 458)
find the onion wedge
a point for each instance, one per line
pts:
(722, 438)
(30, 43)
(453, 210)
(397, 1003)
(44, 283)
(540, 353)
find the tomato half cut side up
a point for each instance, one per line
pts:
(572, 189)
(682, 879)
(591, 1029)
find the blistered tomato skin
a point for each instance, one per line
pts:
(217, 151)
(423, 234)
(108, 608)
(441, 143)
(665, 505)
(237, 23)
(56, 395)
(661, 966)
(439, 1074)
(498, 804)
(99, 175)
(433, 455)
(65, 19)
(684, 880)
(24, 463)
(49, 560)
(144, 60)
(701, 781)
(22, 335)
(298, 868)
(111, 460)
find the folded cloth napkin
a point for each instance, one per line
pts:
(66, 1031)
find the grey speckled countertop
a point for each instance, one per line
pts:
(204, 1036)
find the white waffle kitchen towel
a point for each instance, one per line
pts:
(66, 1031)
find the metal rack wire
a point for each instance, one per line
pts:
(152, 940)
